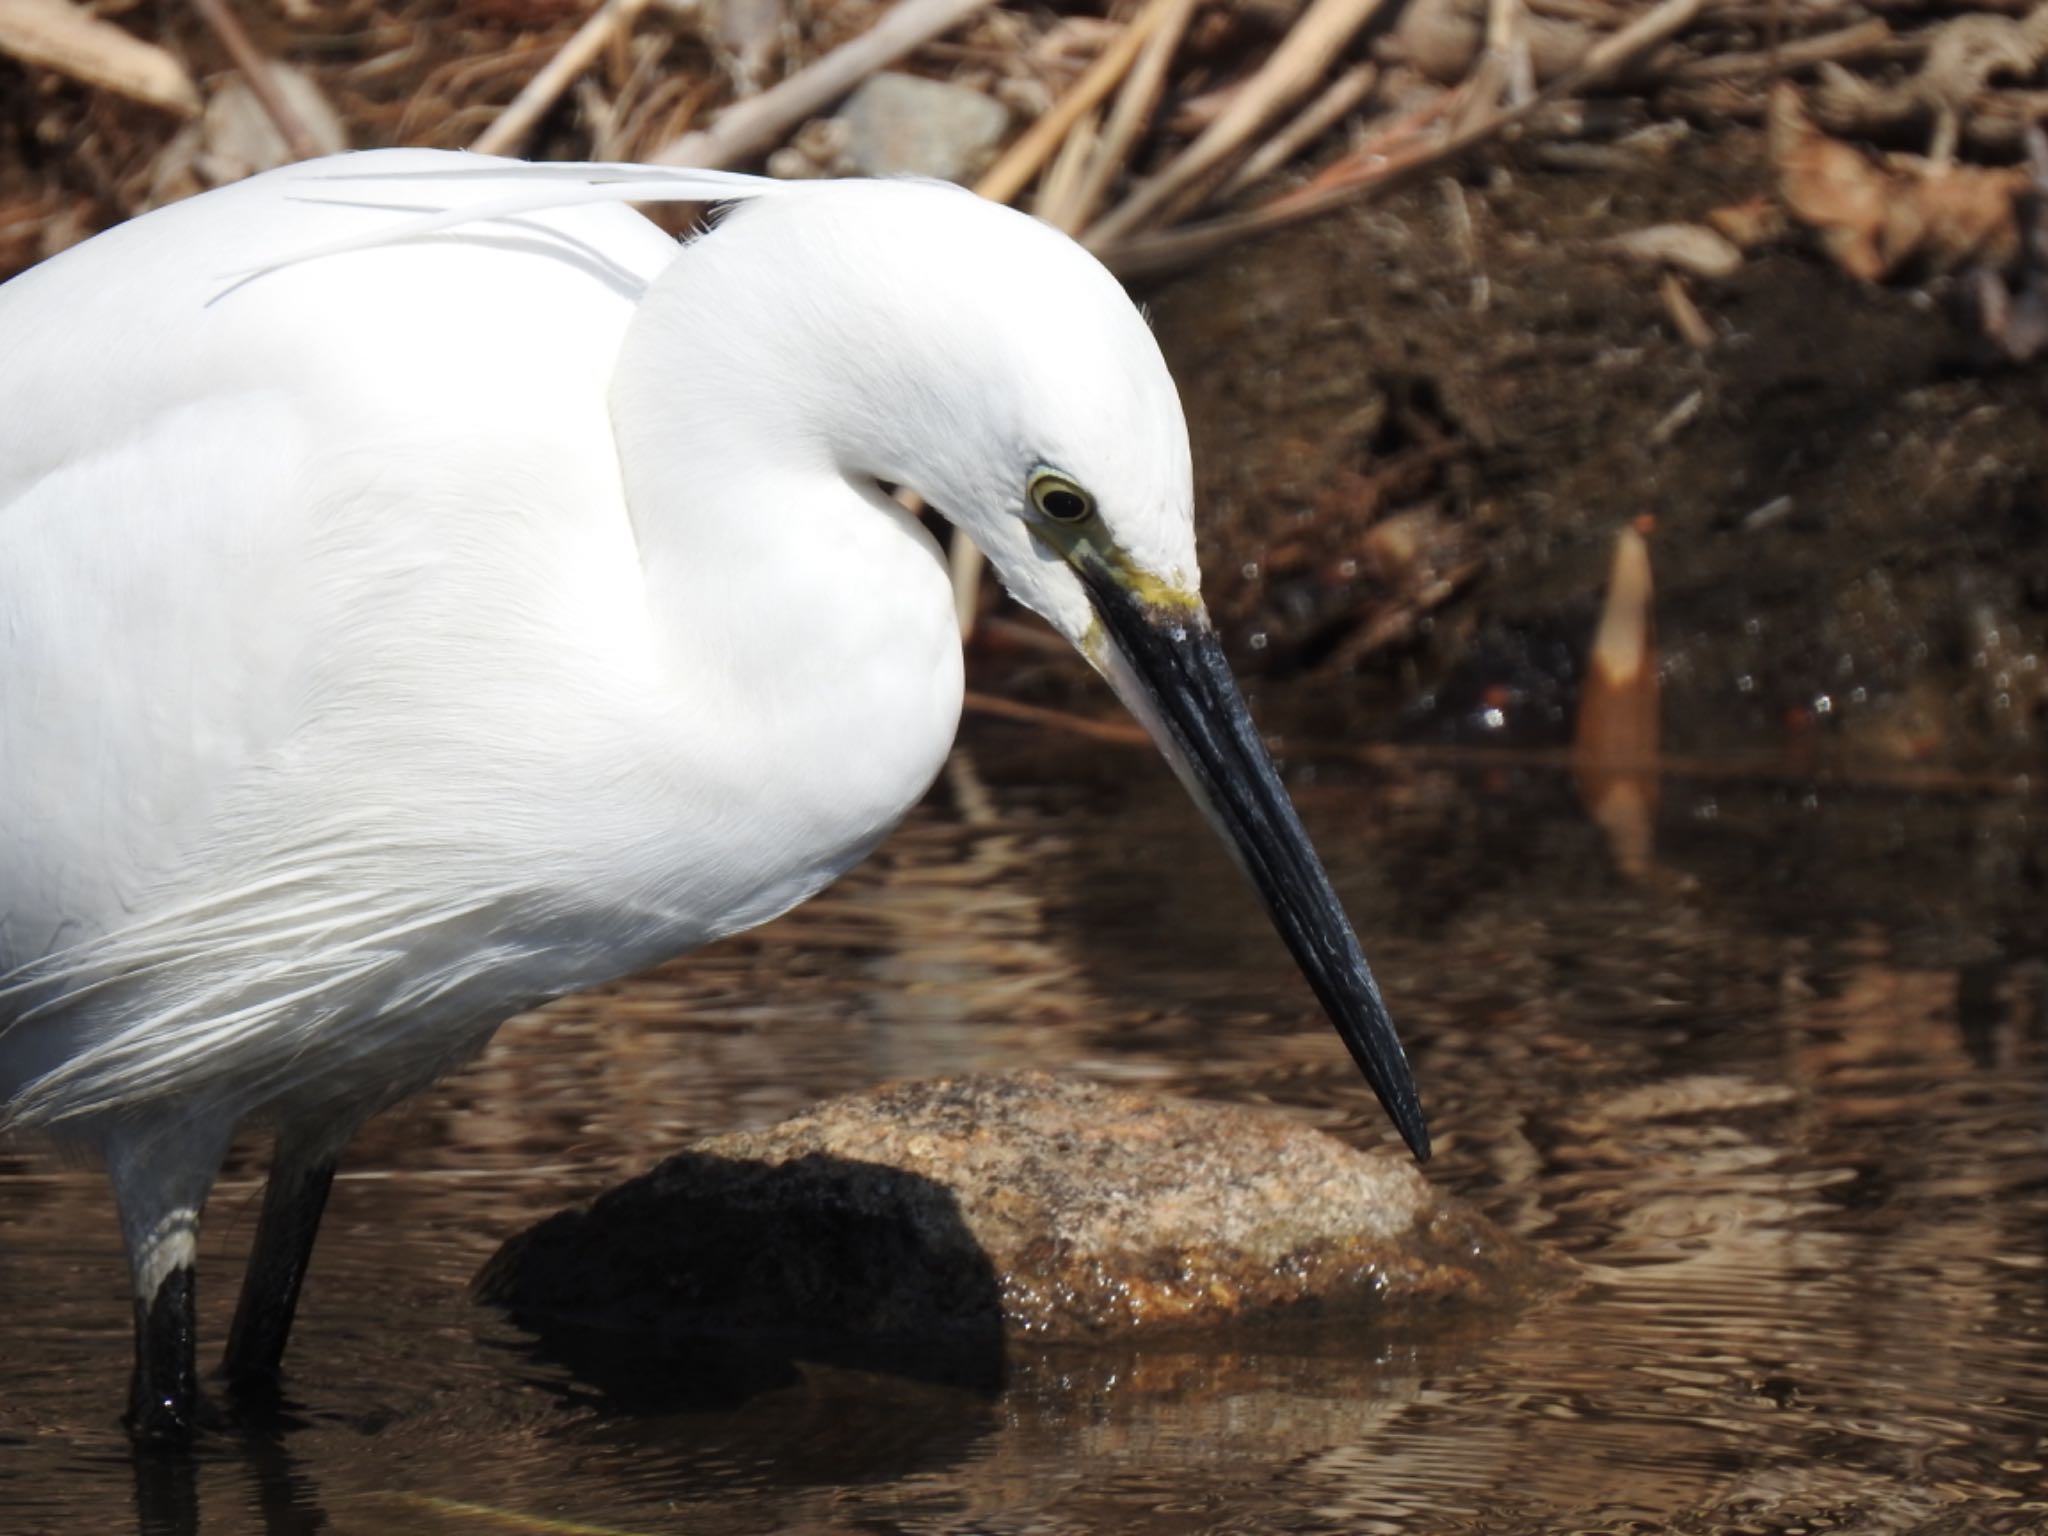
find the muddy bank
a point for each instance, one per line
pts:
(1418, 426)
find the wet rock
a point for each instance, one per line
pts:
(991, 1209)
(905, 125)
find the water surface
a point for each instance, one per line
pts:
(1783, 1093)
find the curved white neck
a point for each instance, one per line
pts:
(798, 612)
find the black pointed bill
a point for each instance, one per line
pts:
(1160, 653)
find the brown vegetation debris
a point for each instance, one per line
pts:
(60, 36)
(1443, 39)
(1751, 223)
(2014, 318)
(1690, 248)
(1950, 92)
(1877, 218)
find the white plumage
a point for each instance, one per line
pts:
(426, 589)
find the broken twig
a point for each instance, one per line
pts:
(511, 127)
(1303, 57)
(1135, 104)
(1310, 124)
(54, 34)
(256, 69)
(1021, 161)
(1137, 254)
(750, 128)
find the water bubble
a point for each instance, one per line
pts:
(1744, 683)
(1823, 705)
(1259, 640)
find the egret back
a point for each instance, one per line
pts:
(258, 532)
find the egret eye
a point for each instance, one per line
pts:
(1058, 499)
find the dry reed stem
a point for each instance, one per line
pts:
(1013, 171)
(1135, 104)
(1685, 315)
(752, 127)
(1303, 57)
(1492, 75)
(1308, 125)
(1059, 187)
(1135, 255)
(1865, 39)
(52, 34)
(538, 96)
(256, 69)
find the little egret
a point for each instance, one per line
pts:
(426, 589)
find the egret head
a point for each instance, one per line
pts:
(971, 354)
(1026, 399)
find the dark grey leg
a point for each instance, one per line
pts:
(161, 1174)
(163, 1392)
(293, 1200)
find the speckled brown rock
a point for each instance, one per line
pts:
(1023, 1205)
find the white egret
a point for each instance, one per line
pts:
(427, 589)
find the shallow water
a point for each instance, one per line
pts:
(1784, 1093)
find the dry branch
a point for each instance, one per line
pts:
(1864, 40)
(1303, 58)
(1161, 252)
(256, 69)
(54, 34)
(540, 94)
(1021, 161)
(752, 127)
(1310, 124)
(1135, 104)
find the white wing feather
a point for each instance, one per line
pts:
(219, 514)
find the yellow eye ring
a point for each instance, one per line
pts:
(1059, 500)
